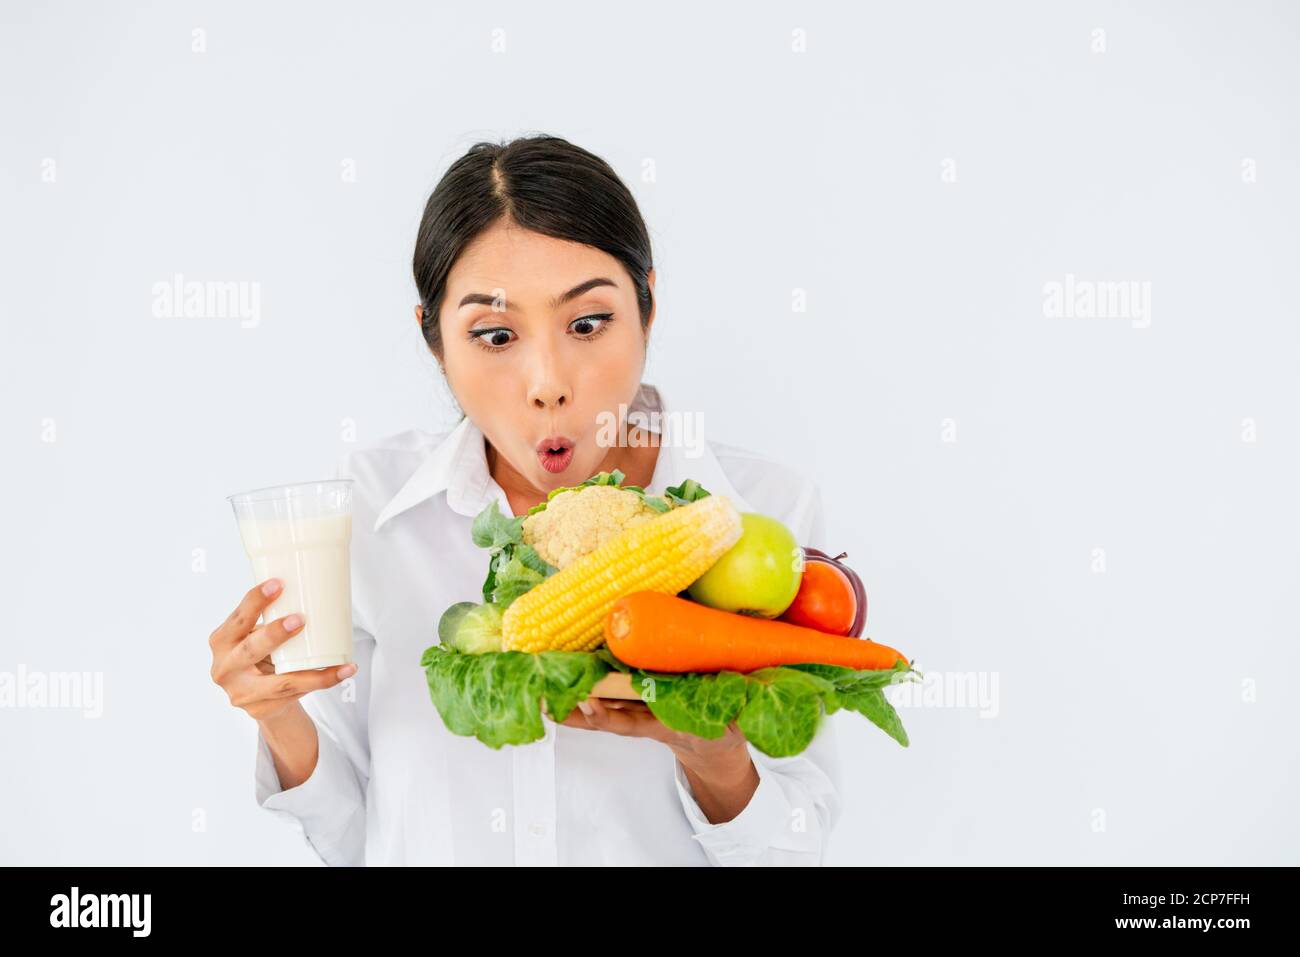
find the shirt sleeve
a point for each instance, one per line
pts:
(790, 816)
(329, 808)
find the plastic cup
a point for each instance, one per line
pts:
(301, 534)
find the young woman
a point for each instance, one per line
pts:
(536, 299)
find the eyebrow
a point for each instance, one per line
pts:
(482, 299)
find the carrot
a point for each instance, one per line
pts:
(659, 632)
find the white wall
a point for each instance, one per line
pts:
(1124, 692)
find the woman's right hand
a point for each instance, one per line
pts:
(241, 659)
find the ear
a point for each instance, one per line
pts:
(654, 303)
(419, 321)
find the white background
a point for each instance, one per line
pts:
(1146, 714)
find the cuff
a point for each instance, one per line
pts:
(324, 806)
(765, 820)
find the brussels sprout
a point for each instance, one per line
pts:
(471, 628)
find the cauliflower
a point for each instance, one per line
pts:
(576, 523)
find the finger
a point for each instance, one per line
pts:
(622, 704)
(266, 639)
(627, 706)
(579, 716)
(242, 620)
(626, 722)
(289, 685)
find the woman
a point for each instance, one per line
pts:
(537, 297)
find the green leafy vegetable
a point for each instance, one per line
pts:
(496, 696)
(863, 692)
(493, 530)
(514, 567)
(516, 575)
(689, 491)
(703, 704)
(782, 710)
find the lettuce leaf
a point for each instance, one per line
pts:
(514, 567)
(517, 573)
(491, 529)
(497, 696)
(702, 704)
(782, 710)
(863, 692)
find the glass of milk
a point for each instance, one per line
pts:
(301, 535)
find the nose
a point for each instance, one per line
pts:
(548, 374)
(548, 394)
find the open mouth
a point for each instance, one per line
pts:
(555, 452)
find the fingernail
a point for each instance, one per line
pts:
(270, 588)
(347, 671)
(584, 707)
(292, 622)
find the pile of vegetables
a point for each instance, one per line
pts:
(706, 614)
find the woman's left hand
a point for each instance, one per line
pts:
(721, 773)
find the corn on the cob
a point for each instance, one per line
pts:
(666, 554)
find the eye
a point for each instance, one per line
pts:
(498, 338)
(583, 325)
(493, 340)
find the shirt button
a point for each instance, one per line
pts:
(537, 830)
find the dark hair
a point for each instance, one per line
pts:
(543, 183)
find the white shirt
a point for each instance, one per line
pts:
(393, 786)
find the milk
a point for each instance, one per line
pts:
(311, 557)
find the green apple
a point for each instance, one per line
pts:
(759, 576)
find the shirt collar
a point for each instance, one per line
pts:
(458, 464)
